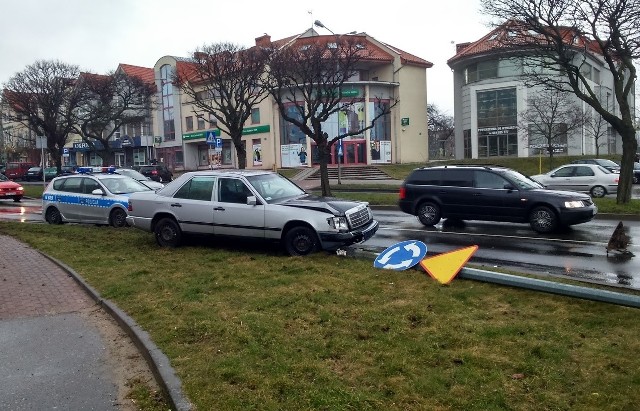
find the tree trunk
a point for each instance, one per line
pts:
(629, 149)
(323, 159)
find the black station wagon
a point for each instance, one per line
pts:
(490, 193)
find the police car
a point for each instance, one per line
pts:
(89, 196)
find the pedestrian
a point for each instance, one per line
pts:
(303, 156)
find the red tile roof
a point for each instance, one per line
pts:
(502, 38)
(143, 73)
(377, 53)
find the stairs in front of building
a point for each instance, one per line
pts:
(351, 173)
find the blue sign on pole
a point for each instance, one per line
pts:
(340, 147)
(218, 142)
(211, 138)
(401, 256)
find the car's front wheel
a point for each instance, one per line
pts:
(543, 220)
(53, 216)
(301, 241)
(598, 192)
(168, 233)
(118, 218)
(429, 213)
(17, 199)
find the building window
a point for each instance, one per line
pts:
(169, 127)
(189, 123)
(497, 123)
(481, 71)
(255, 116)
(213, 121)
(467, 143)
(201, 125)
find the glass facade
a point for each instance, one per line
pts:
(497, 123)
(169, 127)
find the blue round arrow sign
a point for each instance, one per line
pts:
(401, 256)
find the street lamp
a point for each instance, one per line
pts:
(318, 23)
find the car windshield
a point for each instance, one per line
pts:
(3, 177)
(133, 174)
(608, 163)
(34, 169)
(123, 185)
(521, 181)
(274, 187)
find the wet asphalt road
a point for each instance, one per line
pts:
(578, 252)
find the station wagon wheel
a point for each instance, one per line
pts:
(168, 233)
(598, 191)
(301, 241)
(118, 218)
(429, 213)
(52, 216)
(543, 220)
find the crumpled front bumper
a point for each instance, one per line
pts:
(333, 241)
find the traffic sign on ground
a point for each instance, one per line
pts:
(444, 267)
(401, 256)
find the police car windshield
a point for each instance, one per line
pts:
(123, 185)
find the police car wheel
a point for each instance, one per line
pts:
(300, 241)
(53, 216)
(118, 218)
(168, 233)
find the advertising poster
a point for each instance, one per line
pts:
(257, 153)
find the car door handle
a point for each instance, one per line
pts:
(218, 209)
(176, 205)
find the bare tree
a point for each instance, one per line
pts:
(224, 80)
(561, 36)
(549, 118)
(441, 132)
(44, 97)
(307, 79)
(598, 129)
(110, 102)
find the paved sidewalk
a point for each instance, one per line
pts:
(54, 348)
(63, 347)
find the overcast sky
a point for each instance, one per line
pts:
(98, 35)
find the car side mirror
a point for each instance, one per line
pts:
(252, 200)
(508, 186)
(97, 192)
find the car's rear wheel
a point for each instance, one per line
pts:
(429, 213)
(168, 233)
(53, 216)
(118, 218)
(635, 179)
(598, 192)
(543, 220)
(301, 241)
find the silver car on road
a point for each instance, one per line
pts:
(587, 178)
(250, 204)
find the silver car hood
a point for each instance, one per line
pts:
(329, 205)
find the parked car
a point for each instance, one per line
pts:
(87, 197)
(636, 173)
(490, 193)
(17, 170)
(35, 173)
(608, 164)
(157, 172)
(10, 189)
(136, 175)
(250, 204)
(587, 178)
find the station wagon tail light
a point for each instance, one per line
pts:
(573, 204)
(130, 206)
(402, 193)
(338, 223)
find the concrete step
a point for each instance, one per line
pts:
(352, 173)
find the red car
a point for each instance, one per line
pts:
(10, 189)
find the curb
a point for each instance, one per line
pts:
(158, 362)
